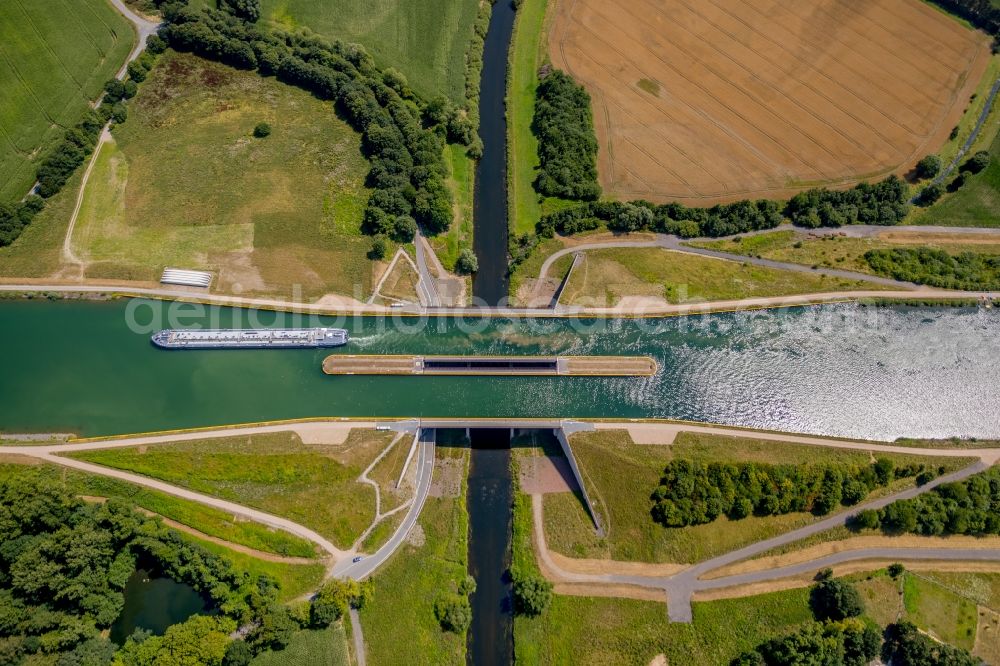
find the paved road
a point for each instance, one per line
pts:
(345, 568)
(968, 142)
(427, 285)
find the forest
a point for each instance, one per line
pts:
(567, 147)
(693, 493)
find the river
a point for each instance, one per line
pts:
(490, 208)
(843, 370)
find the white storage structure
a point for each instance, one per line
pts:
(186, 278)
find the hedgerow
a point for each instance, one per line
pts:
(923, 265)
(692, 493)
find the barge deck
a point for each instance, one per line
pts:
(598, 366)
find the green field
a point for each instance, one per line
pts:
(54, 59)
(939, 611)
(37, 252)
(598, 631)
(185, 184)
(620, 476)
(609, 275)
(312, 647)
(976, 204)
(314, 485)
(426, 40)
(204, 519)
(399, 623)
(845, 253)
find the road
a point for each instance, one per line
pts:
(677, 244)
(680, 587)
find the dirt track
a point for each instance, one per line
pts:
(710, 101)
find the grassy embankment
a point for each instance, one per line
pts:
(312, 484)
(185, 183)
(57, 56)
(606, 276)
(620, 476)
(295, 579)
(399, 623)
(846, 253)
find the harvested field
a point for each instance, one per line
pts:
(714, 101)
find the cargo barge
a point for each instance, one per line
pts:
(265, 338)
(538, 366)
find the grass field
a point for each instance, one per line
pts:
(598, 631)
(605, 277)
(939, 611)
(462, 181)
(427, 40)
(54, 59)
(205, 519)
(185, 184)
(399, 623)
(764, 100)
(620, 475)
(312, 647)
(976, 204)
(846, 253)
(312, 484)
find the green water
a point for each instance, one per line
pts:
(840, 370)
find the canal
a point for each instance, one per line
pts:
(843, 370)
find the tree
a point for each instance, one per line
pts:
(262, 130)
(238, 653)
(930, 194)
(896, 570)
(834, 599)
(248, 10)
(114, 90)
(136, 71)
(905, 645)
(467, 262)
(119, 113)
(92, 652)
(883, 471)
(929, 167)
(156, 44)
(334, 599)
(532, 593)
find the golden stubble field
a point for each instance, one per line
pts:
(705, 101)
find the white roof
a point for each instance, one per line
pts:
(186, 277)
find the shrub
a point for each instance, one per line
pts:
(906, 645)
(453, 612)
(467, 262)
(248, 10)
(156, 44)
(380, 247)
(929, 167)
(532, 593)
(896, 570)
(968, 270)
(567, 147)
(119, 113)
(977, 162)
(136, 71)
(930, 194)
(114, 90)
(262, 130)
(335, 597)
(833, 599)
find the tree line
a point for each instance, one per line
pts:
(567, 147)
(402, 138)
(970, 507)
(924, 265)
(981, 13)
(694, 493)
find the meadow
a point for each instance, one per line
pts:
(312, 484)
(620, 476)
(56, 56)
(608, 276)
(312, 647)
(427, 41)
(975, 204)
(186, 184)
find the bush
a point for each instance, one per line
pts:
(156, 44)
(977, 162)
(119, 113)
(906, 645)
(136, 71)
(335, 597)
(836, 600)
(896, 570)
(930, 194)
(248, 10)
(114, 90)
(882, 203)
(848, 643)
(262, 130)
(567, 147)
(929, 167)
(467, 262)
(380, 247)
(532, 593)
(453, 612)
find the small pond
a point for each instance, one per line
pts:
(154, 603)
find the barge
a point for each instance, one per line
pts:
(265, 338)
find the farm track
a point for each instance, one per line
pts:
(761, 98)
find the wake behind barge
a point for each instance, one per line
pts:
(267, 338)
